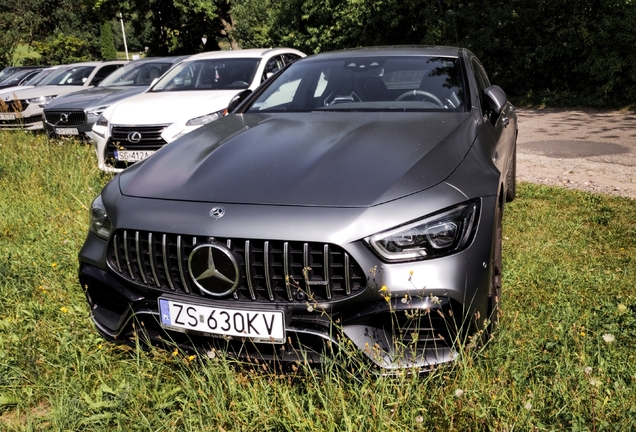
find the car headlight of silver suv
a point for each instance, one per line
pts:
(42, 100)
(99, 223)
(434, 236)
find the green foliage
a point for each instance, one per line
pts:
(65, 48)
(558, 53)
(175, 27)
(107, 42)
(562, 358)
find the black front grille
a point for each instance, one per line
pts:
(269, 270)
(22, 121)
(13, 106)
(119, 140)
(150, 137)
(64, 118)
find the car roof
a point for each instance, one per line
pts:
(243, 53)
(95, 63)
(397, 50)
(169, 59)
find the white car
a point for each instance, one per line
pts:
(22, 109)
(193, 93)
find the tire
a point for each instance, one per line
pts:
(511, 177)
(494, 296)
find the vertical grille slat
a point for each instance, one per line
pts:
(140, 266)
(347, 277)
(286, 271)
(116, 243)
(325, 252)
(248, 271)
(306, 269)
(268, 280)
(127, 254)
(269, 270)
(166, 264)
(152, 258)
(182, 275)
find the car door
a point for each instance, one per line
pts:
(498, 126)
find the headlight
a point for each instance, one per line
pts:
(42, 100)
(432, 237)
(208, 118)
(101, 126)
(99, 224)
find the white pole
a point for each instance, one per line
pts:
(121, 19)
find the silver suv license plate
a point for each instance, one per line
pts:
(259, 326)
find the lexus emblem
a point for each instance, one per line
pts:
(217, 212)
(214, 269)
(64, 117)
(134, 137)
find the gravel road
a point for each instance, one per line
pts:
(578, 149)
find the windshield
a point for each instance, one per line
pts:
(209, 74)
(383, 83)
(71, 76)
(18, 76)
(37, 79)
(140, 74)
(6, 72)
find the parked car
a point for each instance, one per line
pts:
(193, 93)
(19, 77)
(22, 109)
(12, 70)
(76, 113)
(356, 198)
(38, 79)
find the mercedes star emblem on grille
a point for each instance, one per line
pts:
(214, 269)
(217, 212)
(134, 137)
(64, 118)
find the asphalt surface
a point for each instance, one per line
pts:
(579, 149)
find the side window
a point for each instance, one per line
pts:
(272, 66)
(290, 58)
(480, 78)
(103, 73)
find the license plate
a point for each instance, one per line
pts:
(66, 131)
(133, 155)
(259, 326)
(7, 116)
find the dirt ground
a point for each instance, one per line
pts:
(578, 149)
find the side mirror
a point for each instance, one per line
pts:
(237, 100)
(494, 99)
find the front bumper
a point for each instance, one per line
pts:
(405, 314)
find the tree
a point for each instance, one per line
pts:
(107, 42)
(177, 27)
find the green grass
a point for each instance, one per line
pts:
(569, 275)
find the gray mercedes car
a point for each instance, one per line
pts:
(355, 199)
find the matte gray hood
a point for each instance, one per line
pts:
(340, 159)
